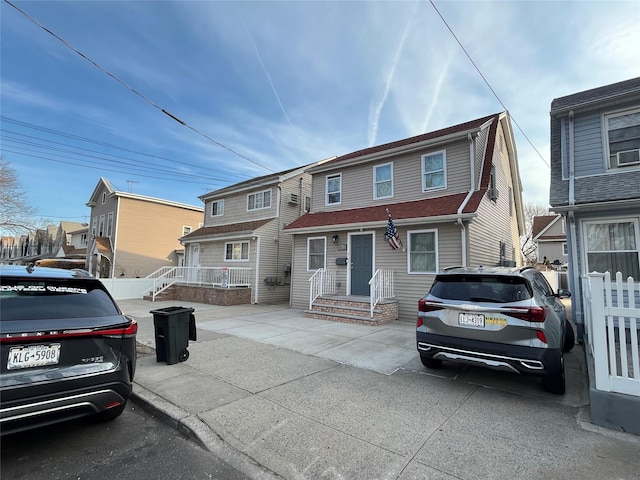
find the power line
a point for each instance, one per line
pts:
(134, 91)
(6, 119)
(487, 83)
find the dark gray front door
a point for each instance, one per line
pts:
(361, 263)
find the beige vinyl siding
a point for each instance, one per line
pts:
(495, 223)
(147, 235)
(357, 181)
(235, 208)
(409, 288)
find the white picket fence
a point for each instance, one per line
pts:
(612, 321)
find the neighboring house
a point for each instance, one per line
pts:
(595, 181)
(76, 246)
(548, 234)
(455, 199)
(243, 229)
(133, 235)
(595, 185)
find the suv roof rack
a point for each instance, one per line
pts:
(446, 269)
(522, 269)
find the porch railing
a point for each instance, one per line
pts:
(225, 277)
(612, 319)
(321, 282)
(380, 287)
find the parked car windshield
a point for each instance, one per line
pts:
(35, 299)
(482, 288)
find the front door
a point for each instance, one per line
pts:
(194, 261)
(361, 263)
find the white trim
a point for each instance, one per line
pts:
(584, 264)
(241, 242)
(326, 189)
(217, 202)
(263, 207)
(373, 254)
(423, 172)
(434, 231)
(324, 238)
(605, 138)
(375, 182)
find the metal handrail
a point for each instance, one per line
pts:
(381, 286)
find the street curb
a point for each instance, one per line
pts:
(198, 431)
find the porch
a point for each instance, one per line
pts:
(379, 307)
(612, 344)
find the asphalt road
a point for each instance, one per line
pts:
(134, 446)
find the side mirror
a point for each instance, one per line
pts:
(562, 293)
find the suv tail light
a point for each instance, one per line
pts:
(529, 314)
(429, 305)
(126, 331)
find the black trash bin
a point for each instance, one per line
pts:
(174, 327)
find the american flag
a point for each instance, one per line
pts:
(392, 235)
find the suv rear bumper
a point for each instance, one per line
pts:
(497, 356)
(67, 405)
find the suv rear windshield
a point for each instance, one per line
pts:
(33, 299)
(481, 288)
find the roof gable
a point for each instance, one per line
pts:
(542, 223)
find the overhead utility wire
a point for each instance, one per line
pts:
(117, 79)
(132, 163)
(488, 84)
(6, 119)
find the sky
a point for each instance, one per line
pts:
(176, 99)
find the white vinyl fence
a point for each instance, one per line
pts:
(612, 320)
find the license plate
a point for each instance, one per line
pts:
(33, 356)
(471, 320)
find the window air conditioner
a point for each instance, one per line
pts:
(293, 199)
(628, 157)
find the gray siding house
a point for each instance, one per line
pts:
(548, 233)
(595, 185)
(453, 195)
(243, 229)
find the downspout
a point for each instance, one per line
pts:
(257, 287)
(463, 228)
(573, 236)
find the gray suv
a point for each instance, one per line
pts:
(502, 318)
(67, 350)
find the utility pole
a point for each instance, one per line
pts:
(131, 182)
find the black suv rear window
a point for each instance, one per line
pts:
(33, 299)
(481, 288)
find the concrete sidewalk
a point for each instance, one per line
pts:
(278, 395)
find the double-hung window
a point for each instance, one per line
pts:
(623, 138)
(237, 251)
(613, 246)
(217, 208)
(334, 189)
(110, 224)
(383, 181)
(423, 251)
(257, 201)
(434, 168)
(316, 253)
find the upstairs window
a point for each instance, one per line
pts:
(383, 181)
(110, 224)
(334, 189)
(217, 208)
(434, 171)
(623, 138)
(101, 226)
(186, 230)
(257, 201)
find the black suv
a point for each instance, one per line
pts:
(505, 319)
(67, 350)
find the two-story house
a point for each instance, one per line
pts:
(595, 181)
(454, 196)
(549, 236)
(134, 235)
(243, 231)
(595, 185)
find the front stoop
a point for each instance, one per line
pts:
(353, 309)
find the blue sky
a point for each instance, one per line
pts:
(280, 84)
